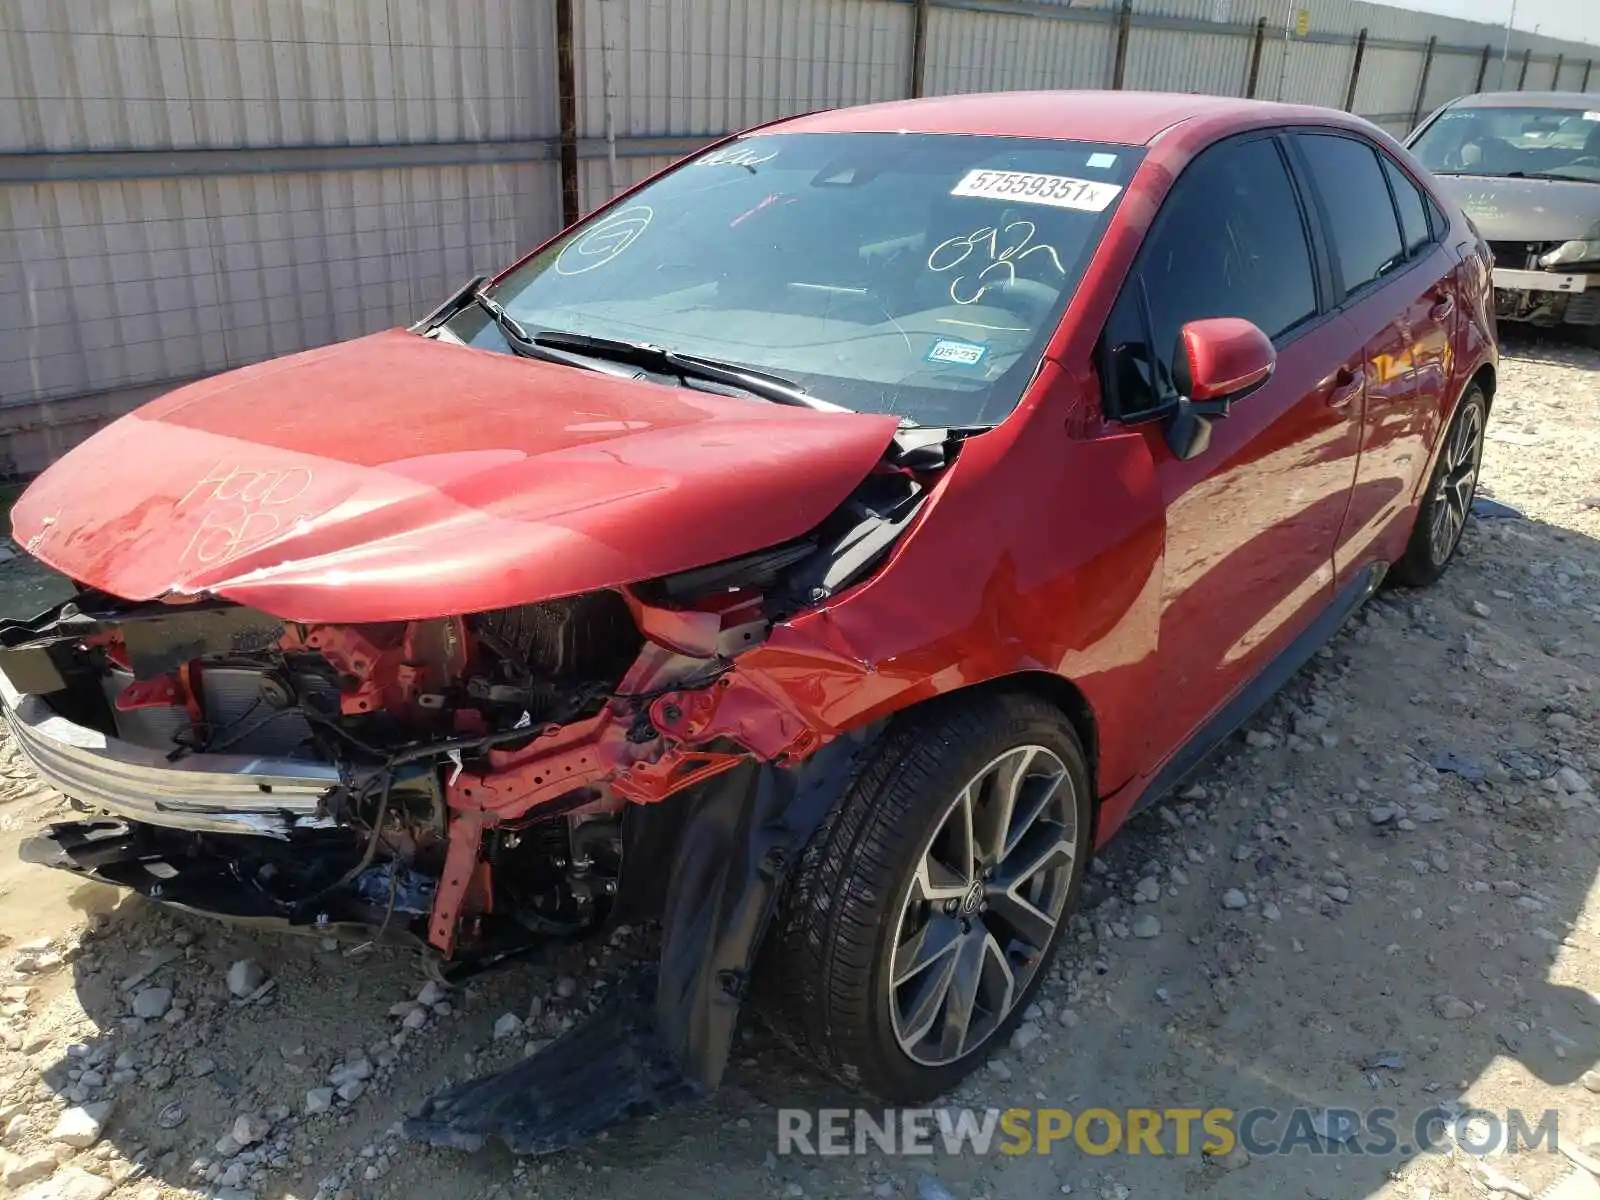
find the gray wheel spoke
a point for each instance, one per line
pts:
(1441, 513)
(1037, 799)
(961, 1000)
(1463, 482)
(937, 883)
(1001, 978)
(1017, 921)
(999, 801)
(1468, 445)
(962, 852)
(1452, 504)
(927, 999)
(934, 940)
(1046, 844)
(1022, 896)
(1440, 533)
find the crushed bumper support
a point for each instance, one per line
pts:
(141, 859)
(216, 793)
(684, 715)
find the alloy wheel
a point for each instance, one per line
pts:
(988, 892)
(1458, 483)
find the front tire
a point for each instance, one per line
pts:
(924, 913)
(1442, 516)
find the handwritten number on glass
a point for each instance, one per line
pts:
(998, 252)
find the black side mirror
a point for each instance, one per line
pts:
(1188, 429)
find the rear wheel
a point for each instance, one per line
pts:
(1443, 513)
(926, 909)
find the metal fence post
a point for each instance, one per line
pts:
(1555, 76)
(1355, 70)
(1255, 57)
(1483, 66)
(1124, 27)
(567, 103)
(1522, 75)
(1422, 82)
(1587, 67)
(919, 47)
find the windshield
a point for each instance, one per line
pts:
(1561, 143)
(913, 274)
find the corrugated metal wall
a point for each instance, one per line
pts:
(190, 185)
(701, 68)
(113, 288)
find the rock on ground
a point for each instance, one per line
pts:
(70, 1183)
(151, 1003)
(80, 1126)
(245, 976)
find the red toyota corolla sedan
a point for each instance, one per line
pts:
(820, 549)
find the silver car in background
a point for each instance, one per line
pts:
(1526, 168)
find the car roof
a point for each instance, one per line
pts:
(1124, 118)
(1577, 101)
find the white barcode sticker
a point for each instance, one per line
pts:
(1025, 187)
(1591, 116)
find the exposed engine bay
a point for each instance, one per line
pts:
(405, 712)
(478, 768)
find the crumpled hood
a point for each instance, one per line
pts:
(1525, 210)
(395, 477)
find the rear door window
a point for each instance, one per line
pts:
(1361, 217)
(1413, 210)
(1230, 241)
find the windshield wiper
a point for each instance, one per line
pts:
(515, 333)
(1557, 174)
(686, 366)
(521, 344)
(1522, 175)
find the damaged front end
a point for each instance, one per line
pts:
(479, 783)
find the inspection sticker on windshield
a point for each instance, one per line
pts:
(1058, 191)
(957, 353)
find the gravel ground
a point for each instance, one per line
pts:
(1326, 919)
